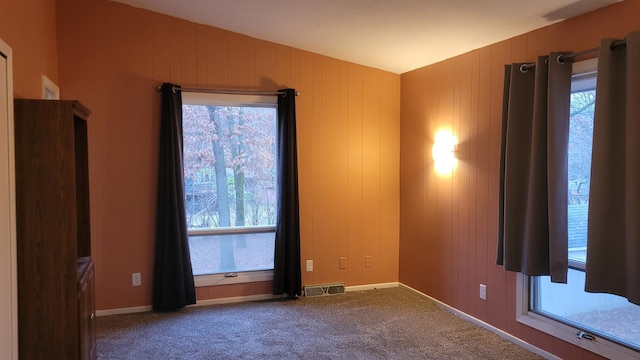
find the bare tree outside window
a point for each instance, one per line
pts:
(580, 144)
(230, 177)
(579, 172)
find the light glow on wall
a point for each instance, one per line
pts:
(443, 152)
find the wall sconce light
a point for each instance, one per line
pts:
(443, 152)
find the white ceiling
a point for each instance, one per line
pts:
(392, 35)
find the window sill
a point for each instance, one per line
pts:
(243, 277)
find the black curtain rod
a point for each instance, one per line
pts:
(561, 58)
(229, 91)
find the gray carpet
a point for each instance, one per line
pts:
(375, 324)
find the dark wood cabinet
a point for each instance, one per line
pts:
(55, 270)
(86, 309)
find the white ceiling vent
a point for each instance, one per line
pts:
(323, 290)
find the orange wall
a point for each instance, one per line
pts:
(29, 27)
(112, 57)
(449, 224)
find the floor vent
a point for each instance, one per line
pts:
(324, 290)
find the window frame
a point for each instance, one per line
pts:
(555, 328)
(222, 99)
(562, 331)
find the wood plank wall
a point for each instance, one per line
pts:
(448, 228)
(33, 43)
(112, 57)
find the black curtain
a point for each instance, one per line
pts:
(533, 183)
(287, 277)
(173, 286)
(613, 246)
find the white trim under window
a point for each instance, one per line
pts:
(233, 230)
(232, 278)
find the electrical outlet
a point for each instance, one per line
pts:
(483, 291)
(136, 279)
(309, 265)
(367, 261)
(343, 263)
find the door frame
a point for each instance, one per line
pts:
(9, 345)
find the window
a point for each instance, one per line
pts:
(229, 144)
(603, 323)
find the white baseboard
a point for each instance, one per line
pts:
(236, 299)
(371, 286)
(229, 300)
(129, 310)
(493, 329)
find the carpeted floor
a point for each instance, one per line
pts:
(375, 324)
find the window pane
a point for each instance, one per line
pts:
(229, 146)
(579, 157)
(229, 165)
(606, 315)
(213, 254)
